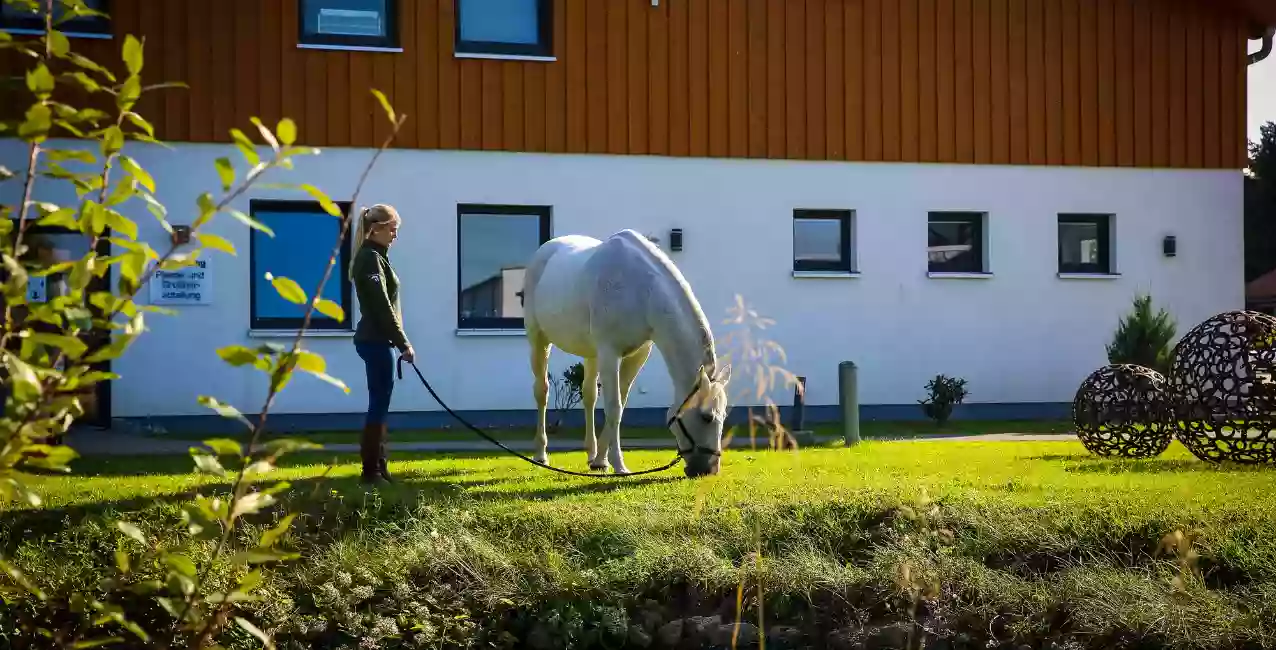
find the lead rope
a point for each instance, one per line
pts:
(498, 443)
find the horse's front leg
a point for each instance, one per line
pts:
(540, 390)
(609, 374)
(588, 401)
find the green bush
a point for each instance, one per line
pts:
(1144, 338)
(945, 392)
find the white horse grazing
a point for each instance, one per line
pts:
(608, 302)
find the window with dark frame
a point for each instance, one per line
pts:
(349, 23)
(18, 19)
(955, 242)
(304, 236)
(505, 27)
(822, 241)
(1084, 244)
(494, 244)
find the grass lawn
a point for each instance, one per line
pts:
(1033, 543)
(868, 429)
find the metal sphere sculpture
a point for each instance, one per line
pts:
(1119, 410)
(1220, 390)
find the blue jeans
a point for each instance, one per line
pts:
(378, 360)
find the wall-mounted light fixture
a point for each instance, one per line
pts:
(675, 239)
(1169, 246)
(181, 235)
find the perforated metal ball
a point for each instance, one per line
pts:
(1223, 401)
(1120, 409)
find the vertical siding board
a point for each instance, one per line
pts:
(1071, 82)
(361, 116)
(579, 50)
(638, 79)
(909, 77)
(946, 84)
(491, 98)
(291, 102)
(1176, 62)
(512, 93)
(596, 75)
(617, 78)
(427, 65)
(1210, 90)
(927, 95)
(999, 53)
(1017, 71)
(1194, 130)
(470, 78)
(177, 67)
(758, 88)
(406, 77)
(1089, 80)
(341, 94)
(776, 104)
(718, 80)
(1035, 69)
(1106, 66)
(658, 73)
(891, 106)
(698, 83)
(154, 105)
(834, 81)
(872, 30)
(679, 80)
(1230, 52)
(222, 31)
(795, 78)
(1161, 70)
(449, 90)
(1240, 140)
(738, 90)
(1128, 83)
(315, 89)
(814, 77)
(981, 72)
(383, 80)
(534, 107)
(1054, 27)
(1142, 73)
(854, 45)
(964, 77)
(556, 84)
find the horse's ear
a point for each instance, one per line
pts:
(723, 374)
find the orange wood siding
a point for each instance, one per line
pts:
(1145, 83)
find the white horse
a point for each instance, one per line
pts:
(608, 302)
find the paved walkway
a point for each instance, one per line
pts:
(91, 442)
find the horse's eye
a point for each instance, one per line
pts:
(708, 418)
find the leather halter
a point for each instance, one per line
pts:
(677, 417)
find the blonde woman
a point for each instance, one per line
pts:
(380, 329)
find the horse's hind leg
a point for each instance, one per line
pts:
(588, 400)
(540, 389)
(629, 367)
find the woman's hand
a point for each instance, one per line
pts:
(409, 355)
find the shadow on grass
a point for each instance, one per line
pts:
(1162, 466)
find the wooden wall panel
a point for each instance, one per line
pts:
(1148, 83)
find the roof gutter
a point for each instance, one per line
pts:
(1266, 49)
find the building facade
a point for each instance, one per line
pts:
(970, 187)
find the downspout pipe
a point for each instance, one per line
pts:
(1266, 49)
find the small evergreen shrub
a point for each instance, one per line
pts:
(1143, 337)
(945, 392)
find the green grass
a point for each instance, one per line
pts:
(868, 429)
(1047, 542)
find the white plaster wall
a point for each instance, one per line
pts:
(1023, 335)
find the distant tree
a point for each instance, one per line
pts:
(1260, 205)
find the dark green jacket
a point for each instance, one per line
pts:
(380, 316)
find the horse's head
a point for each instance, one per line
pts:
(698, 427)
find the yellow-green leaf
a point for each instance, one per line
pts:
(40, 81)
(226, 172)
(270, 537)
(136, 171)
(213, 241)
(330, 309)
(325, 202)
(288, 289)
(287, 131)
(120, 223)
(22, 376)
(112, 141)
(246, 147)
(132, 531)
(311, 362)
(265, 133)
(224, 410)
(385, 104)
(208, 464)
(59, 44)
(141, 123)
(133, 54)
(224, 447)
(251, 222)
(70, 345)
(181, 564)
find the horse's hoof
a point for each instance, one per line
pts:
(541, 460)
(597, 468)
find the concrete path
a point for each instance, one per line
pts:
(116, 443)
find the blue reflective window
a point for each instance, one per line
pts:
(496, 242)
(510, 27)
(304, 236)
(20, 19)
(349, 23)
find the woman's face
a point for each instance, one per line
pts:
(384, 233)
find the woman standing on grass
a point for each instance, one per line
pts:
(380, 329)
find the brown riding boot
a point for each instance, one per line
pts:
(382, 469)
(370, 446)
